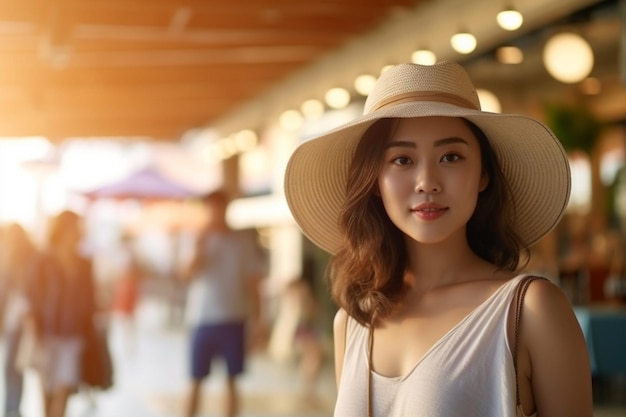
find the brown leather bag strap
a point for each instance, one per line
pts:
(518, 299)
(369, 371)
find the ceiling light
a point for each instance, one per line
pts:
(509, 55)
(312, 109)
(386, 67)
(424, 57)
(337, 98)
(510, 19)
(568, 57)
(363, 84)
(290, 120)
(245, 139)
(224, 148)
(463, 42)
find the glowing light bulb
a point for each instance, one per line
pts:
(463, 42)
(510, 19)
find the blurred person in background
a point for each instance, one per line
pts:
(223, 303)
(126, 291)
(65, 306)
(17, 255)
(308, 336)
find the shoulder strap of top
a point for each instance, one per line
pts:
(369, 370)
(518, 299)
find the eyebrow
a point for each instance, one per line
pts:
(438, 142)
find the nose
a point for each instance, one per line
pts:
(427, 180)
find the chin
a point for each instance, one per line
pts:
(426, 239)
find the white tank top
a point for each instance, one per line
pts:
(468, 372)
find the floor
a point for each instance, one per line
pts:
(150, 381)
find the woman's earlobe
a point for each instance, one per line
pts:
(484, 182)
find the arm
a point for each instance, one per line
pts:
(554, 364)
(340, 324)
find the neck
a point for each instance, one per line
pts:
(450, 262)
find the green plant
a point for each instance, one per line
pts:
(574, 125)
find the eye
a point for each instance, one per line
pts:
(451, 157)
(401, 160)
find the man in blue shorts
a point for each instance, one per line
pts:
(223, 299)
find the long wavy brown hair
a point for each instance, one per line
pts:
(367, 274)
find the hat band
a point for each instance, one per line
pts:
(424, 96)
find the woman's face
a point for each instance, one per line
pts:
(430, 178)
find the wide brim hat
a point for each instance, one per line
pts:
(532, 159)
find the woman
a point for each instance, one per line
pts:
(427, 204)
(18, 253)
(65, 308)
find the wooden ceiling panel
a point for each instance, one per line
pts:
(113, 78)
(158, 68)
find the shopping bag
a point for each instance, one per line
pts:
(97, 365)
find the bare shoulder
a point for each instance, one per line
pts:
(548, 315)
(340, 322)
(546, 304)
(340, 325)
(557, 362)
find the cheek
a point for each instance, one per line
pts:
(473, 184)
(472, 188)
(388, 188)
(393, 194)
(471, 178)
(395, 181)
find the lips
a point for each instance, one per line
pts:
(428, 207)
(429, 211)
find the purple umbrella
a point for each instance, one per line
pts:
(147, 183)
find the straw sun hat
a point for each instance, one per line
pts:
(531, 157)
